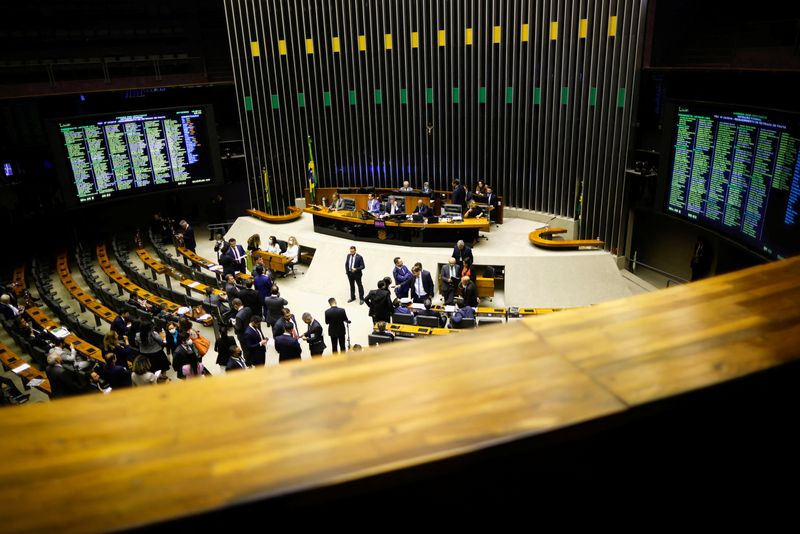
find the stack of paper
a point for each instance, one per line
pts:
(21, 368)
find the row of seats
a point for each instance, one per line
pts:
(122, 255)
(187, 270)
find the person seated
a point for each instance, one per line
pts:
(68, 356)
(380, 330)
(432, 313)
(293, 250)
(426, 188)
(213, 302)
(114, 374)
(373, 205)
(401, 305)
(7, 308)
(337, 203)
(462, 312)
(66, 382)
(272, 245)
(11, 393)
(392, 207)
(474, 211)
(423, 209)
(406, 187)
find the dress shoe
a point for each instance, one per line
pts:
(351, 300)
(361, 301)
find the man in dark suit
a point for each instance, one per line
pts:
(249, 297)
(469, 292)
(64, 382)
(231, 288)
(287, 346)
(423, 209)
(254, 342)
(462, 252)
(274, 305)
(431, 313)
(7, 308)
(121, 324)
(459, 194)
(335, 318)
(241, 318)
(380, 303)
(451, 276)
(229, 265)
(422, 287)
(313, 335)
(286, 323)
(353, 266)
(187, 233)
(263, 284)
(238, 254)
(236, 360)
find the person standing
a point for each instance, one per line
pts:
(287, 346)
(336, 318)
(459, 195)
(219, 245)
(187, 234)
(468, 292)
(451, 275)
(238, 254)
(401, 276)
(422, 288)
(462, 252)
(380, 303)
(313, 335)
(353, 266)
(274, 305)
(255, 342)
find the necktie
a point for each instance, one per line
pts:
(420, 291)
(351, 262)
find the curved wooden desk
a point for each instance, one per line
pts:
(191, 257)
(11, 361)
(540, 238)
(294, 214)
(82, 347)
(125, 284)
(86, 301)
(349, 225)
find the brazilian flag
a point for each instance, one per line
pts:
(312, 177)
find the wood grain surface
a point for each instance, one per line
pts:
(138, 456)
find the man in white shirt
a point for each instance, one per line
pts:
(238, 254)
(406, 187)
(393, 207)
(422, 288)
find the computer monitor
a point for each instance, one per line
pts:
(451, 209)
(348, 204)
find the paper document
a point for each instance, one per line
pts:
(60, 332)
(183, 310)
(449, 309)
(194, 284)
(203, 317)
(215, 268)
(21, 368)
(418, 306)
(35, 382)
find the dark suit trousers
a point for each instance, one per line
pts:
(449, 293)
(355, 278)
(340, 340)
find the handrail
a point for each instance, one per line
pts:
(674, 277)
(330, 421)
(539, 238)
(294, 214)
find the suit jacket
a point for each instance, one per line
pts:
(423, 210)
(232, 290)
(316, 342)
(233, 363)
(118, 325)
(374, 206)
(470, 295)
(427, 284)
(449, 282)
(263, 285)
(229, 265)
(335, 319)
(249, 298)
(401, 274)
(188, 238)
(65, 382)
(181, 356)
(242, 320)
(379, 302)
(8, 313)
(241, 265)
(255, 353)
(459, 195)
(274, 305)
(283, 323)
(117, 376)
(288, 348)
(358, 264)
(461, 255)
(397, 208)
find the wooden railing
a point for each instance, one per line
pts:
(305, 425)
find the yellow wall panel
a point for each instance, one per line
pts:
(524, 33)
(554, 30)
(387, 41)
(497, 34)
(282, 47)
(414, 40)
(442, 38)
(612, 26)
(362, 43)
(468, 37)
(255, 49)
(583, 28)
(336, 45)
(309, 46)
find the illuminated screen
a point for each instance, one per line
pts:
(112, 156)
(737, 171)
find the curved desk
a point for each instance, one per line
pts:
(348, 225)
(294, 213)
(541, 238)
(85, 301)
